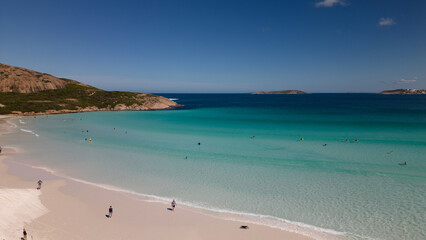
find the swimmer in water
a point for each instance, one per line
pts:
(390, 152)
(199, 144)
(301, 139)
(325, 145)
(346, 140)
(356, 140)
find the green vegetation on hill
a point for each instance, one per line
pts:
(73, 96)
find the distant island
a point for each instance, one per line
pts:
(404, 91)
(283, 92)
(27, 92)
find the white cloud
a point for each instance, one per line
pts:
(386, 22)
(330, 3)
(406, 81)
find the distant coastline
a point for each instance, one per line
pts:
(404, 91)
(282, 92)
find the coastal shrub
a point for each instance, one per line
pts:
(86, 96)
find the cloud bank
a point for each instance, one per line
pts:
(386, 22)
(405, 81)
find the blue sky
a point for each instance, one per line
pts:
(221, 46)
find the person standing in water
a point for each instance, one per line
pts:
(173, 205)
(110, 211)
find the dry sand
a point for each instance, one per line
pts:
(68, 209)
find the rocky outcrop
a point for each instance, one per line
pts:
(21, 80)
(157, 102)
(404, 91)
(283, 92)
(27, 92)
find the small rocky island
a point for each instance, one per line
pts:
(404, 91)
(27, 92)
(283, 92)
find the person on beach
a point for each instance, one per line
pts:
(110, 211)
(39, 184)
(173, 205)
(0, 149)
(24, 232)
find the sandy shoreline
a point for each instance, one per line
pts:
(68, 209)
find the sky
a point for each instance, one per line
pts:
(224, 46)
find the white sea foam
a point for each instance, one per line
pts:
(22, 122)
(17, 208)
(266, 220)
(29, 131)
(11, 123)
(174, 99)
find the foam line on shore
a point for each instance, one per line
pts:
(29, 131)
(227, 214)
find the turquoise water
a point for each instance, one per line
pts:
(356, 189)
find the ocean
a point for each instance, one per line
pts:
(243, 154)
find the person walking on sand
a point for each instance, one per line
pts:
(173, 205)
(24, 232)
(110, 211)
(39, 184)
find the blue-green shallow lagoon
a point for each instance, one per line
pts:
(353, 188)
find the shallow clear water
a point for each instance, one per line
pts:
(355, 188)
